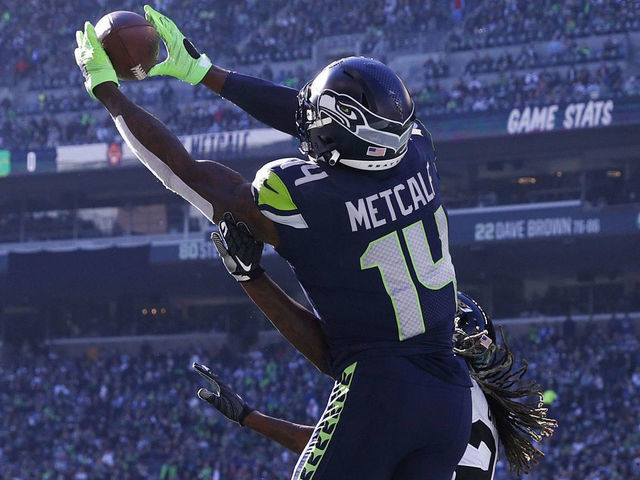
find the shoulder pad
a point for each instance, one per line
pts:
(272, 190)
(421, 130)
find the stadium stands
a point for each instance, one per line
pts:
(467, 63)
(57, 111)
(528, 58)
(509, 22)
(535, 88)
(39, 128)
(136, 416)
(241, 32)
(557, 300)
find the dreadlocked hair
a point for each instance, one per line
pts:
(519, 421)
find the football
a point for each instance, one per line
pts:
(131, 43)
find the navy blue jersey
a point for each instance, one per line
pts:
(371, 251)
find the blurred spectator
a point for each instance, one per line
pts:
(529, 58)
(278, 30)
(535, 88)
(38, 35)
(136, 416)
(435, 68)
(208, 113)
(509, 22)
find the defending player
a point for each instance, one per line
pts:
(362, 224)
(490, 365)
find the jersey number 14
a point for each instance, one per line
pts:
(386, 254)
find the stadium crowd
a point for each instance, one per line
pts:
(134, 417)
(250, 32)
(207, 113)
(247, 31)
(137, 417)
(510, 22)
(109, 416)
(535, 88)
(570, 53)
(44, 55)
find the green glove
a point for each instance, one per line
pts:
(183, 60)
(93, 60)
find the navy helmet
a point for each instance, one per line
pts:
(356, 112)
(470, 339)
(472, 318)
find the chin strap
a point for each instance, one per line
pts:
(372, 164)
(320, 122)
(360, 164)
(335, 156)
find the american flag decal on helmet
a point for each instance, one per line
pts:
(376, 151)
(485, 341)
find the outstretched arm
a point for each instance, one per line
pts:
(297, 324)
(272, 104)
(241, 252)
(290, 435)
(209, 186)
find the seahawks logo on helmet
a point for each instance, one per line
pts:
(357, 112)
(362, 123)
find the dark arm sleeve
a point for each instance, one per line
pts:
(272, 104)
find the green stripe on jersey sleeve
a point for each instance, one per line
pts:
(270, 190)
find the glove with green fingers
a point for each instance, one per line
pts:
(228, 402)
(93, 60)
(183, 61)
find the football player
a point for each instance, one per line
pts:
(361, 221)
(518, 422)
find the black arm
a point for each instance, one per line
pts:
(272, 104)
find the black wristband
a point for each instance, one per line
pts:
(246, 410)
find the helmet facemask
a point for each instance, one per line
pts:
(336, 127)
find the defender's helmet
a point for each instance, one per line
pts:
(470, 339)
(358, 112)
(472, 318)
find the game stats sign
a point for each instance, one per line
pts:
(594, 113)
